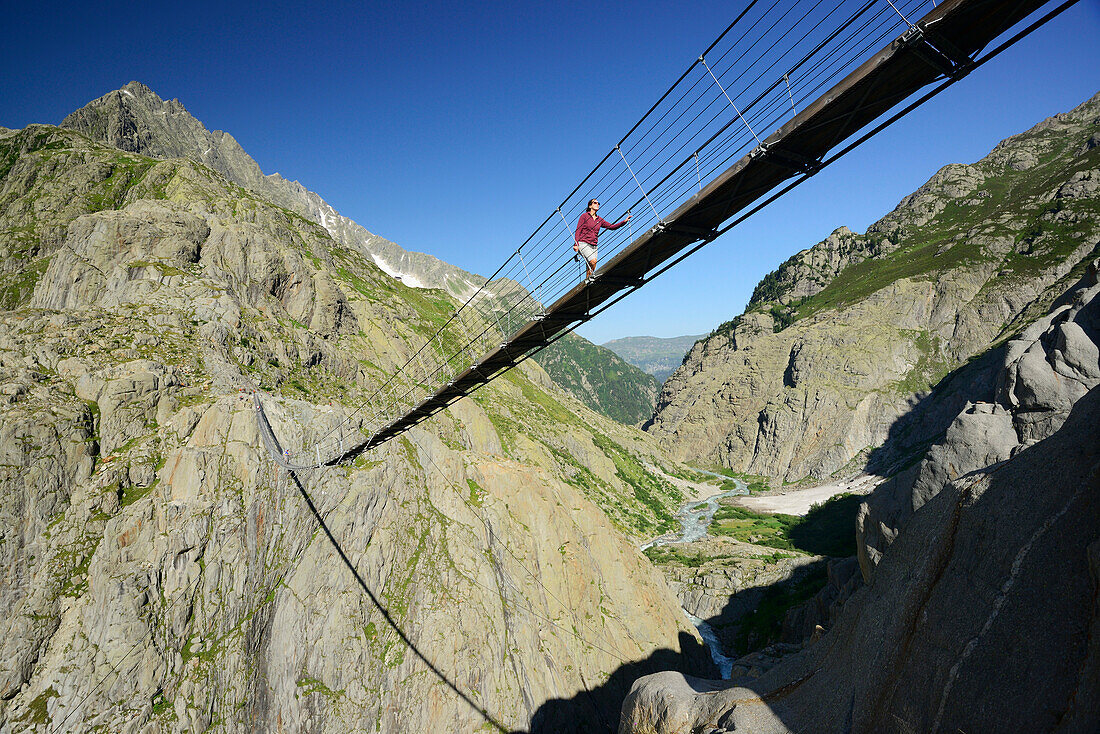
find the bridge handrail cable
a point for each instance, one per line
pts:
(690, 140)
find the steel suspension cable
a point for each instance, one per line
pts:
(534, 280)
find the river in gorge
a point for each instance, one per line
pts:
(695, 518)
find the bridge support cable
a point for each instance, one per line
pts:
(827, 51)
(862, 139)
(294, 473)
(727, 96)
(640, 188)
(574, 626)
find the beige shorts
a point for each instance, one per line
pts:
(587, 251)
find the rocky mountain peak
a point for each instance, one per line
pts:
(808, 272)
(136, 119)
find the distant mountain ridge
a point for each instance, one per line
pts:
(655, 355)
(605, 382)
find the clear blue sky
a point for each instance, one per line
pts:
(455, 128)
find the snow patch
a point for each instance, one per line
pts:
(127, 92)
(410, 280)
(468, 289)
(334, 220)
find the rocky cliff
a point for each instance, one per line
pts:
(982, 608)
(847, 337)
(1043, 372)
(136, 119)
(161, 575)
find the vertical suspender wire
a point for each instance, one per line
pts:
(641, 152)
(727, 124)
(390, 403)
(806, 58)
(500, 326)
(687, 71)
(787, 78)
(822, 44)
(477, 333)
(395, 384)
(403, 390)
(466, 356)
(712, 76)
(446, 354)
(484, 312)
(654, 210)
(404, 399)
(895, 7)
(649, 201)
(867, 6)
(698, 176)
(416, 361)
(552, 268)
(428, 360)
(547, 261)
(573, 233)
(534, 290)
(443, 367)
(847, 23)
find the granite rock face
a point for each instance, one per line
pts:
(960, 607)
(848, 337)
(161, 574)
(1037, 388)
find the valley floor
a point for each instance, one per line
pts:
(799, 501)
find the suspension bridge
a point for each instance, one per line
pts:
(817, 74)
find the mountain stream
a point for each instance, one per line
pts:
(695, 517)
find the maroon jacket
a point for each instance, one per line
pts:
(588, 229)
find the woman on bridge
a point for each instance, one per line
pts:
(588, 232)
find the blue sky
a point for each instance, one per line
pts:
(455, 128)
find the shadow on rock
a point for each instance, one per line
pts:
(597, 709)
(989, 596)
(929, 416)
